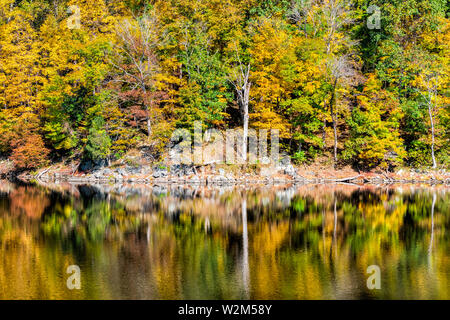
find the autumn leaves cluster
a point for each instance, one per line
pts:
(136, 70)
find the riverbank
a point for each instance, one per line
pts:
(221, 174)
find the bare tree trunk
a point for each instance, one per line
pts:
(147, 108)
(334, 119)
(335, 136)
(245, 137)
(245, 114)
(136, 49)
(336, 18)
(324, 133)
(430, 112)
(242, 86)
(149, 124)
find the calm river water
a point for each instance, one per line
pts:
(303, 242)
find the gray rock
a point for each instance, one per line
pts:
(98, 174)
(285, 161)
(175, 151)
(290, 170)
(133, 170)
(182, 170)
(122, 172)
(159, 172)
(86, 166)
(219, 180)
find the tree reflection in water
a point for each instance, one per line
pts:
(303, 242)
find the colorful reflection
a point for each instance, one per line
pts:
(302, 242)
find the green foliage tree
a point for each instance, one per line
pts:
(374, 128)
(98, 145)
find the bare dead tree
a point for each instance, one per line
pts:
(430, 82)
(135, 58)
(242, 85)
(344, 70)
(340, 66)
(301, 12)
(337, 14)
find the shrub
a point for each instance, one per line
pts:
(30, 153)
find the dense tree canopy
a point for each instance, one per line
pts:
(128, 73)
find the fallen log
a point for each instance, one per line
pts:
(39, 175)
(343, 179)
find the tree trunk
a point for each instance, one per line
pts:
(333, 117)
(242, 85)
(149, 123)
(324, 133)
(147, 108)
(430, 112)
(245, 137)
(335, 138)
(246, 100)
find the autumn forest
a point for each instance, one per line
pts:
(360, 82)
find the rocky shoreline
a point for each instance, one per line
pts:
(227, 175)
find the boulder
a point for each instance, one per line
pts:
(121, 172)
(133, 169)
(182, 170)
(86, 166)
(159, 172)
(290, 171)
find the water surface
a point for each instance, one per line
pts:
(303, 242)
